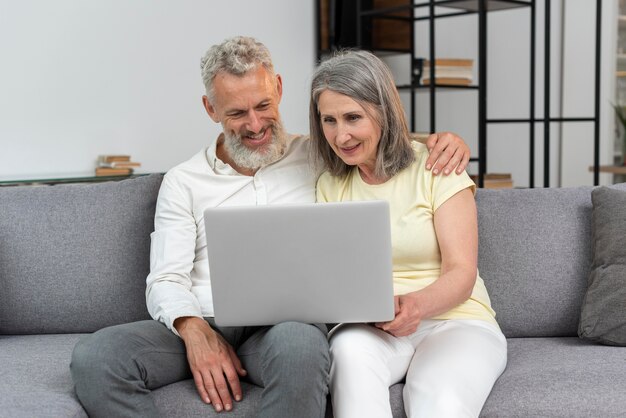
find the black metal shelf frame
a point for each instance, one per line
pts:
(481, 8)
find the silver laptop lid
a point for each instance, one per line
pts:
(312, 263)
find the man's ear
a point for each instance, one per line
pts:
(279, 86)
(210, 109)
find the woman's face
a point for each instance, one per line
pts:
(350, 131)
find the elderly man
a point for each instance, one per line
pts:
(254, 161)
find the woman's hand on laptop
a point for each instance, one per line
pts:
(213, 363)
(407, 319)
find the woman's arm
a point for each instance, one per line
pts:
(456, 227)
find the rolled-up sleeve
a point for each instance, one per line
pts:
(173, 242)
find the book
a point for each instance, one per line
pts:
(113, 158)
(498, 184)
(498, 176)
(107, 171)
(448, 71)
(115, 165)
(119, 164)
(448, 81)
(495, 180)
(451, 62)
(494, 176)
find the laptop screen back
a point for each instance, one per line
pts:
(312, 263)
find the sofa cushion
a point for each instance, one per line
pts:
(535, 256)
(552, 377)
(559, 377)
(545, 377)
(603, 313)
(555, 377)
(74, 258)
(35, 377)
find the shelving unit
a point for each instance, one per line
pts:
(339, 26)
(406, 13)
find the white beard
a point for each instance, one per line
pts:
(245, 157)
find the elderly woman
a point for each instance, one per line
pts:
(444, 340)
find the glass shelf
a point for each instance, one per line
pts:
(491, 5)
(467, 6)
(63, 179)
(438, 86)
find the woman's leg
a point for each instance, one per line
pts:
(365, 361)
(454, 369)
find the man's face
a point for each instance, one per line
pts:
(247, 108)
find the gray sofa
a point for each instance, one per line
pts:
(74, 258)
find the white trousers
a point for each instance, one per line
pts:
(450, 367)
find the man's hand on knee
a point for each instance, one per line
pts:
(213, 363)
(447, 153)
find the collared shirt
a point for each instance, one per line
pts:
(179, 283)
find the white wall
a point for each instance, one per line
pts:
(81, 78)
(86, 77)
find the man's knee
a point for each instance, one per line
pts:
(289, 337)
(110, 350)
(294, 345)
(94, 354)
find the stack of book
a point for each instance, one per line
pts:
(449, 71)
(495, 180)
(115, 165)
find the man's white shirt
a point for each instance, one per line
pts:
(179, 283)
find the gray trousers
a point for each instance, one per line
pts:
(115, 369)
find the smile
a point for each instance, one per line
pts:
(349, 150)
(257, 139)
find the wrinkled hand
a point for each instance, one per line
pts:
(408, 317)
(213, 363)
(447, 152)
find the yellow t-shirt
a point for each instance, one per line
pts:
(414, 195)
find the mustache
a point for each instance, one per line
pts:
(262, 130)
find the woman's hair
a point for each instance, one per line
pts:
(364, 78)
(235, 56)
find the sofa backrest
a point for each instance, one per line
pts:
(535, 257)
(74, 258)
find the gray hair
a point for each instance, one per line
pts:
(364, 78)
(235, 56)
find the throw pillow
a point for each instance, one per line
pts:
(603, 314)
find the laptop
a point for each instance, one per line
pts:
(311, 263)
